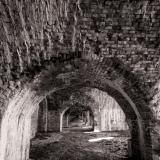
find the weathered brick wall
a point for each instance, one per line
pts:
(34, 31)
(128, 30)
(53, 121)
(42, 116)
(112, 116)
(34, 123)
(48, 116)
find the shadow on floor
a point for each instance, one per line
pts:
(76, 146)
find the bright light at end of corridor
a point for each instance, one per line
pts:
(100, 139)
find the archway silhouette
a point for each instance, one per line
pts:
(134, 118)
(68, 108)
(125, 92)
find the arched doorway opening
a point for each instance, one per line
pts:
(26, 101)
(77, 117)
(90, 136)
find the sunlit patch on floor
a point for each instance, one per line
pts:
(100, 139)
(77, 146)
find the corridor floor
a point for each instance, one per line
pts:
(79, 146)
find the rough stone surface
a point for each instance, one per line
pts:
(34, 35)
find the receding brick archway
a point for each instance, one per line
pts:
(15, 137)
(137, 121)
(70, 107)
(124, 87)
(128, 30)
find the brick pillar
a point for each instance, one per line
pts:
(54, 121)
(135, 142)
(147, 137)
(97, 122)
(141, 142)
(42, 116)
(34, 123)
(88, 118)
(67, 120)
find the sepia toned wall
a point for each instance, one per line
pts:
(32, 32)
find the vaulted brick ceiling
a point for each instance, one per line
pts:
(32, 32)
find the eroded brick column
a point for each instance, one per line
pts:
(97, 122)
(16, 126)
(88, 118)
(141, 134)
(54, 121)
(147, 136)
(136, 152)
(65, 120)
(34, 123)
(43, 116)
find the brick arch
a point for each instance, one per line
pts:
(85, 101)
(108, 75)
(69, 107)
(121, 84)
(17, 54)
(15, 125)
(139, 125)
(98, 72)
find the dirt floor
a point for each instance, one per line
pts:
(75, 146)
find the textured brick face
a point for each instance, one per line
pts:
(34, 31)
(127, 31)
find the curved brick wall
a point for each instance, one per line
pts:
(126, 33)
